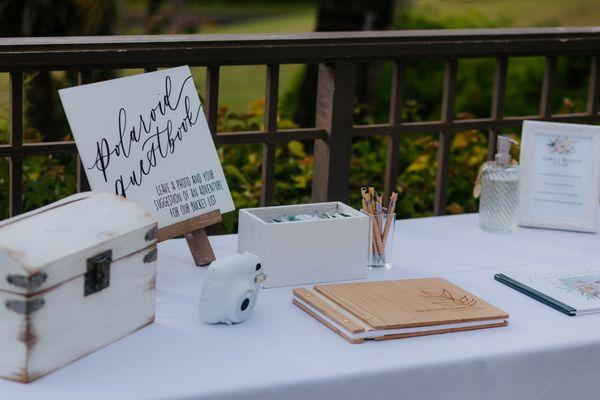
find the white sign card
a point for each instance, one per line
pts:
(145, 137)
(560, 182)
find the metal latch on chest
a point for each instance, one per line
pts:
(97, 277)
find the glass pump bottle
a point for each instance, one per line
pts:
(499, 201)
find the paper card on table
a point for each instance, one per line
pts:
(560, 183)
(145, 137)
(570, 289)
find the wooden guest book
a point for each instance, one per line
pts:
(397, 309)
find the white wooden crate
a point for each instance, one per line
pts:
(74, 276)
(303, 252)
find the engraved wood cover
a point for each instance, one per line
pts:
(410, 303)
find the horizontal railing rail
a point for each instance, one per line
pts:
(338, 55)
(168, 50)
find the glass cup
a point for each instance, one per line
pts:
(381, 240)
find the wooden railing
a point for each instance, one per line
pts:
(337, 55)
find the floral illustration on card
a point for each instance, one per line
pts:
(561, 145)
(586, 286)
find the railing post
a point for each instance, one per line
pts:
(211, 101)
(497, 103)
(395, 119)
(268, 160)
(548, 87)
(445, 138)
(83, 185)
(15, 189)
(594, 87)
(334, 113)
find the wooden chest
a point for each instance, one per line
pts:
(75, 276)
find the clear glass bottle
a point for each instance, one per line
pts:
(500, 191)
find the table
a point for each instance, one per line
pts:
(282, 353)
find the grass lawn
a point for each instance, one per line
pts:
(513, 13)
(240, 86)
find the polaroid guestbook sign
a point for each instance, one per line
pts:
(145, 137)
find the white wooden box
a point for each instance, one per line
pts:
(75, 275)
(302, 252)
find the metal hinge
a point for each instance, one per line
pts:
(28, 282)
(151, 234)
(97, 277)
(151, 256)
(25, 307)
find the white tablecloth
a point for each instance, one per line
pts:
(282, 353)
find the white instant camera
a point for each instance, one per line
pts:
(231, 288)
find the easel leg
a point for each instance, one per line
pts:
(193, 229)
(200, 247)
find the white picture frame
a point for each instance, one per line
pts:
(560, 176)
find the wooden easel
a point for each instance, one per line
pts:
(195, 235)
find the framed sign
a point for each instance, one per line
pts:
(145, 137)
(560, 181)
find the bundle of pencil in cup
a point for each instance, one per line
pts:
(382, 226)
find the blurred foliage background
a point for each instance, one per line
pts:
(241, 93)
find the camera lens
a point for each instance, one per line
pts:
(245, 304)
(258, 266)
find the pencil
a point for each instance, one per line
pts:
(378, 211)
(363, 192)
(372, 195)
(378, 245)
(390, 216)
